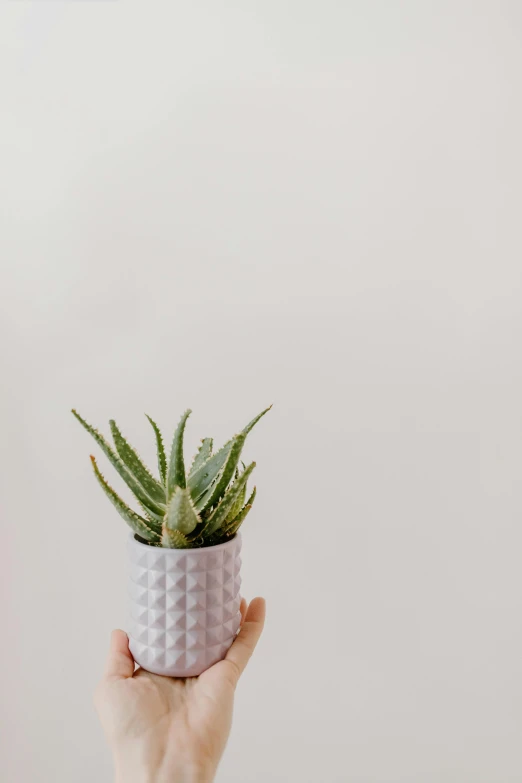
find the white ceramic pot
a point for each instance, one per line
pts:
(184, 606)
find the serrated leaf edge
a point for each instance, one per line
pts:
(135, 522)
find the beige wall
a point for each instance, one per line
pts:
(224, 205)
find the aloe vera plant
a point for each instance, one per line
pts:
(180, 509)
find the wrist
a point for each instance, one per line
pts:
(135, 769)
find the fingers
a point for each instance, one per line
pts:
(245, 642)
(120, 663)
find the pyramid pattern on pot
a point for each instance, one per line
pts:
(184, 606)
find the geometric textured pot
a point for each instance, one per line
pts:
(184, 606)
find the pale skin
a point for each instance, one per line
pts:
(166, 730)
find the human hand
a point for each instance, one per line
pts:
(166, 730)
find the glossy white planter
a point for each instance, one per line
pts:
(184, 606)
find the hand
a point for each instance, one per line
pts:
(165, 730)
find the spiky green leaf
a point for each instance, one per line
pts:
(181, 514)
(201, 479)
(238, 505)
(176, 472)
(173, 539)
(220, 513)
(162, 460)
(135, 522)
(237, 521)
(230, 528)
(254, 421)
(143, 541)
(206, 474)
(130, 457)
(204, 453)
(128, 477)
(155, 520)
(216, 490)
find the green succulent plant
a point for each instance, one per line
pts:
(181, 510)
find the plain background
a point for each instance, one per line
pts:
(317, 204)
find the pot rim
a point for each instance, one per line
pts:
(191, 550)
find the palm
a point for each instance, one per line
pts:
(174, 719)
(190, 716)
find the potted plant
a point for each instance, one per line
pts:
(184, 547)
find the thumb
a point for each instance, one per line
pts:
(120, 663)
(243, 646)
